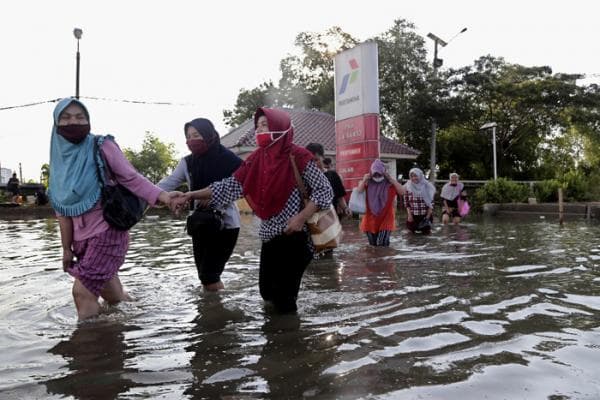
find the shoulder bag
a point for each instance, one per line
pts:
(203, 221)
(120, 208)
(324, 225)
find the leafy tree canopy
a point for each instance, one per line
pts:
(156, 159)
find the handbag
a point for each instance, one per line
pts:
(358, 201)
(120, 208)
(324, 225)
(204, 221)
(463, 207)
(424, 224)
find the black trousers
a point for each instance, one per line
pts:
(211, 252)
(283, 261)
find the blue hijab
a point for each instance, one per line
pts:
(74, 186)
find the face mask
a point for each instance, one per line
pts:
(378, 179)
(74, 133)
(197, 146)
(265, 139)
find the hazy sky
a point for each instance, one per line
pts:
(203, 52)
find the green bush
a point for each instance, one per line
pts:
(547, 191)
(502, 191)
(576, 186)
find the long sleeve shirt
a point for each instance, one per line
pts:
(92, 222)
(231, 213)
(416, 204)
(231, 189)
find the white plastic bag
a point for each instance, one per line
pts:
(358, 201)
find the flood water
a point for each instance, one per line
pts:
(488, 310)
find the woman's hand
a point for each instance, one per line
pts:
(295, 224)
(67, 259)
(179, 202)
(409, 217)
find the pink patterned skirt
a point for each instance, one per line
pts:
(99, 258)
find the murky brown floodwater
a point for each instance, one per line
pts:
(490, 309)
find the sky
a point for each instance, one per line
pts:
(199, 54)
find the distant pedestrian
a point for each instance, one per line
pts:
(380, 219)
(418, 201)
(452, 194)
(339, 191)
(12, 186)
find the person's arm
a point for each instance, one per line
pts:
(66, 238)
(177, 177)
(409, 215)
(399, 188)
(296, 223)
(321, 196)
(446, 208)
(343, 207)
(126, 174)
(362, 185)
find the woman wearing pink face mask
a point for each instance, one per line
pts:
(266, 179)
(208, 162)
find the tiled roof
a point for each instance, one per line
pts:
(309, 126)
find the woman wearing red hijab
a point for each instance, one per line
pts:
(266, 179)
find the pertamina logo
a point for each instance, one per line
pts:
(351, 76)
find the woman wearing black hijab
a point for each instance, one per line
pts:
(208, 162)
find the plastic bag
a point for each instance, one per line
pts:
(358, 201)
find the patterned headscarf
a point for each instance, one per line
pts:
(423, 188)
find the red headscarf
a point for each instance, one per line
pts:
(267, 175)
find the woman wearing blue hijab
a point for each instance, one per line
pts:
(93, 251)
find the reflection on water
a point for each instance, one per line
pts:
(484, 310)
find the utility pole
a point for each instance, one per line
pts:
(437, 62)
(20, 174)
(77, 33)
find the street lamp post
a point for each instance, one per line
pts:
(437, 62)
(493, 126)
(77, 32)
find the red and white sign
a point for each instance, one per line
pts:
(357, 81)
(356, 112)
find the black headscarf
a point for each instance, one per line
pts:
(217, 163)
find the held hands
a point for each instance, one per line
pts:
(179, 202)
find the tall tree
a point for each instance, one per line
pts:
(404, 89)
(248, 101)
(306, 79)
(155, 160)
(529, 104)
(45, 174)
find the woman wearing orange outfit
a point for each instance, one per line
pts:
(380, 219)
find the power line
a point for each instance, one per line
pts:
(161, 103)
(29, 104)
